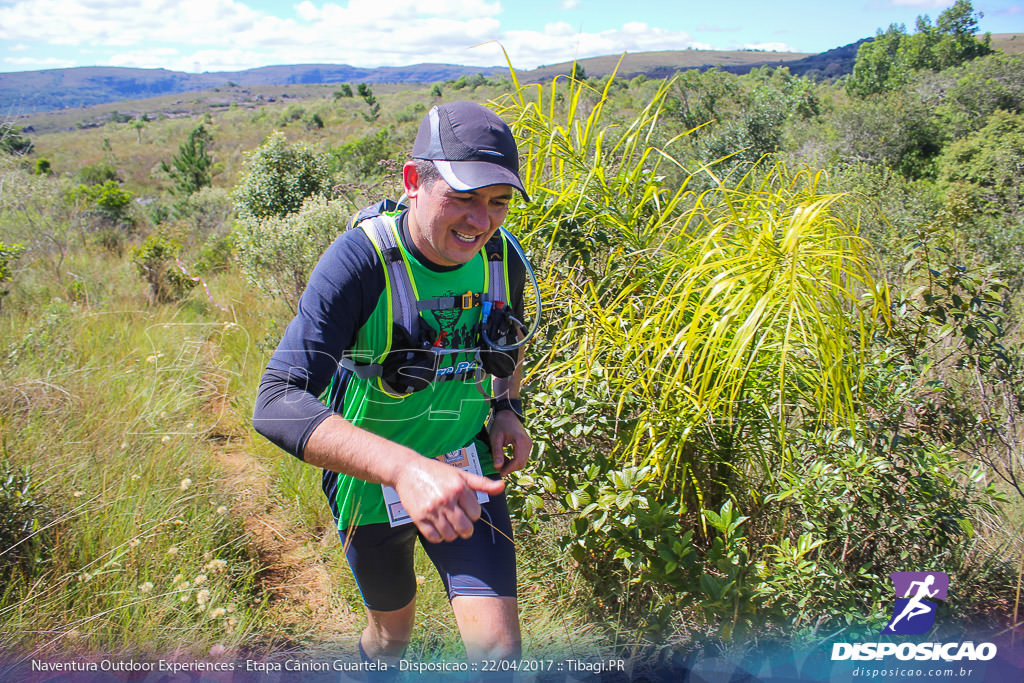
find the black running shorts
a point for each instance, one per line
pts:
(381, 558)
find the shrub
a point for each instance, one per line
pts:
(277, 254)
(156, 261)
(314, 122)
(22, 518)
(9, 253)
(361, 158)
(279, 178)
(98, 173)
(214, 255)
(13, 140)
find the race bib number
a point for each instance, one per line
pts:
(463, 458)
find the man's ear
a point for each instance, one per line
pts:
(411, 179)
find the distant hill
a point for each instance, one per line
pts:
(39, 91)
(34, 91)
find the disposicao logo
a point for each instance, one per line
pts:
(914, 614)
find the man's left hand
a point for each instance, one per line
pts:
(506, 430)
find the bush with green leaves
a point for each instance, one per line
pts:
(990, 162)
(280, 175)
(23, 518)
(107, 212)
(277, 254)
(13, 140)
(973, 92)
(109, 201)
(156, 260)
(9, 253)
(98, 173)
(714, 345)
(361, 158)
(898, 129)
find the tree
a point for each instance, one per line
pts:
(578, 72)
(367, 94)
(989, 162)
(191, 171)
(138, 124)
(344, 90)
(886, 63)
(280, 176)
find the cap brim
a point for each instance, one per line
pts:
(471, 175)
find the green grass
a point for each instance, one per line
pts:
(108, 405)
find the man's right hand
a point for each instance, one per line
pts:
(441, 499)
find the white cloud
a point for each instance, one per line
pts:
(570, 4)
(33, 63)
(771, 47)
(924, 4)
(232, 35)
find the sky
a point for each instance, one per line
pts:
(232, 35)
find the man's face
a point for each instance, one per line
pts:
(448, 226)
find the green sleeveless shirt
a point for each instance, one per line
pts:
(443, 417)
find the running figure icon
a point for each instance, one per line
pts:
(914, 611)
(915, 606)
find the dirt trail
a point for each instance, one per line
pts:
(299, 585)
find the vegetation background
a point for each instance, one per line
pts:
(781, 358)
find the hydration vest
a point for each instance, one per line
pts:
(411, 358)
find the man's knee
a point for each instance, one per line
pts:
(388, 633)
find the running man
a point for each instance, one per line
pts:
(341, 394)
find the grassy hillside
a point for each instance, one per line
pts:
(781, 360)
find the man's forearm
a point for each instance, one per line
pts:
(339, 446)
(509, 387)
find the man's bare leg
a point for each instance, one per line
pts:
(489, 626)
(387, 634)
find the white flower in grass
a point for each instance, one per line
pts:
(216, 566)
(166, 438)
(217, 650)
(173, 550)
(232, 622)
(217, 612)
(134, 543)
(145, 587)
(203, 598)
(78, 494)
(199, 580)
(185, 483)
(184, 597)
(178, 578)
(222, 510)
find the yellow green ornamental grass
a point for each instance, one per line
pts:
(685, 300)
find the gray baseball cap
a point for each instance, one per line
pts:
(470, 146)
